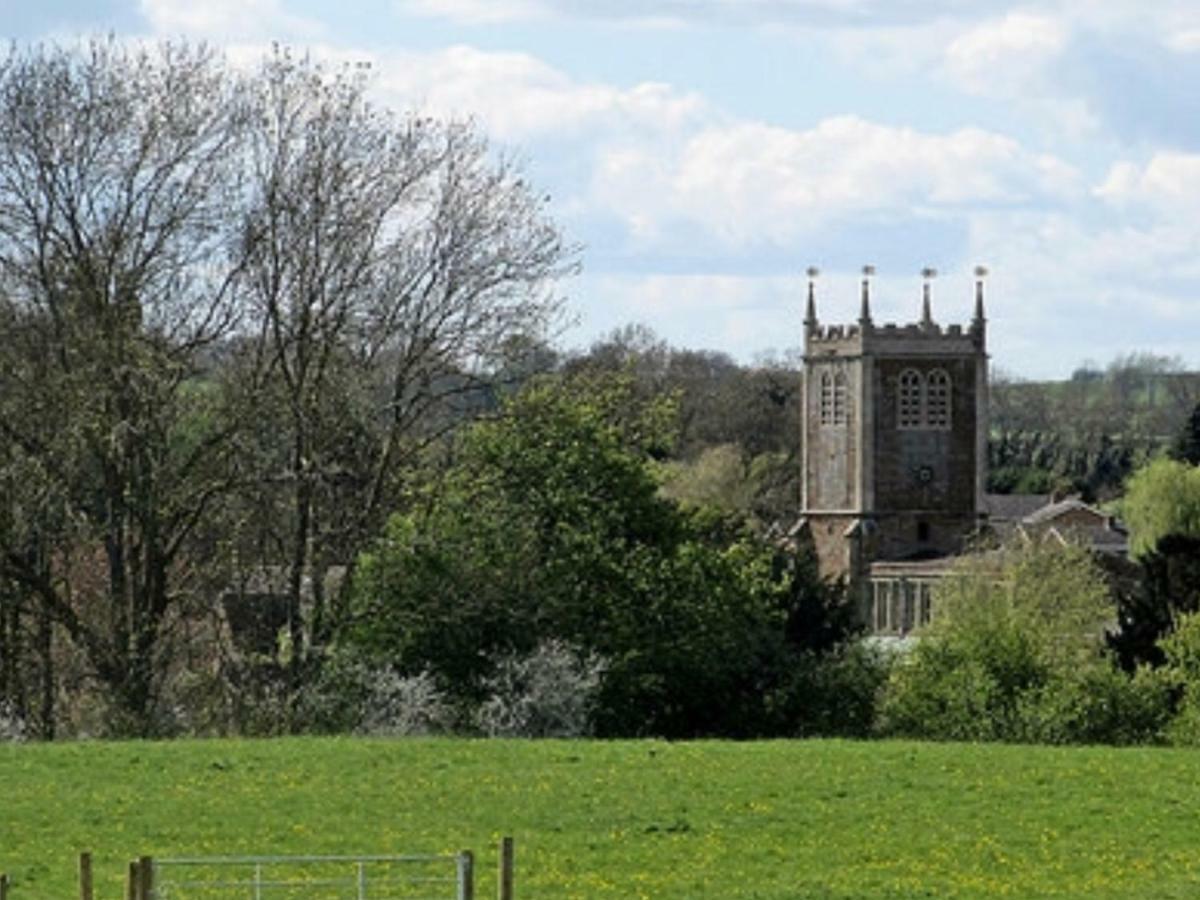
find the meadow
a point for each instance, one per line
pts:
(627, 819)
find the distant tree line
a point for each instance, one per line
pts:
(1088, 434)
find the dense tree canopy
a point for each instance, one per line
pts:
(549, 524)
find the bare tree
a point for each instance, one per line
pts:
(387, 259)
(254, 289)
(116, 175)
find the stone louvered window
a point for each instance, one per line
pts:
(937, 399)
(835, 398)
(826, 398)
(910, 399)
(841, 399)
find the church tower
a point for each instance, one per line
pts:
(895, 436)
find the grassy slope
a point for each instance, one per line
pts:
(628, 819)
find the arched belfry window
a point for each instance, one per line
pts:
(937, 399)
(910, 399)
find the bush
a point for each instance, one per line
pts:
(12, 725)
(831, 694)
(1182, 649)
(403, 705)
(1103, 705)
(374, 700)
(550, 692)
(1015, 653)
(941, 691)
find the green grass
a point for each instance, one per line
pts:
(633, 819)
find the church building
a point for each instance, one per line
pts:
(895, 422)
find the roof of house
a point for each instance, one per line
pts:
(1014, 507)
(1029, 514)
(1052, 511)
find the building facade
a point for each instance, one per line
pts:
(895, 421)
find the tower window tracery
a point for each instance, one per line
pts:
(923, 401)
(841, 397)
(910, 406)
(937, 399)
(835, 398)
(826, 398)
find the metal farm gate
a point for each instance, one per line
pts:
(449, 877)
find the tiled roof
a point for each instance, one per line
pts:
(1052, 511)
(1013, 507)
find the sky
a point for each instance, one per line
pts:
(704, 153)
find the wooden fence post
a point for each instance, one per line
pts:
(466, 875)
(85, 876)
(145, 878)
(504, 890)
(131, 881)
(3, 887)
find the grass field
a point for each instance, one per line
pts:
(823, 819)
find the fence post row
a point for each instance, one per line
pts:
(3, 887)
(139, 879)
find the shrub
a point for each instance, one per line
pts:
(1101, 705)
(1182, 649)
(403, 705)
(1015, 653)
(940, 691)
(833, 693)
(550, 692)
(12, 725)
(375, 700)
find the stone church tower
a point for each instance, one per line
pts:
(895, 438)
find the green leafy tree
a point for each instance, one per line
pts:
(1161, 499)
(1162, 508)
(550, 525)
(1015, 652)
(1187, 442)
(1181, 647)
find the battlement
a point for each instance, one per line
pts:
(922, 337)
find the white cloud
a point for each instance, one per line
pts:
(1064, 289)
(1184, 41)
(853, 13)
(1168, 182)
(1004, 56)
(227, 19)
(748, 183)
(517, 97)
(473, 12)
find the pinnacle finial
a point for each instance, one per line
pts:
(810, 316)
(864, 315)
(928, 273)
(980, 275)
